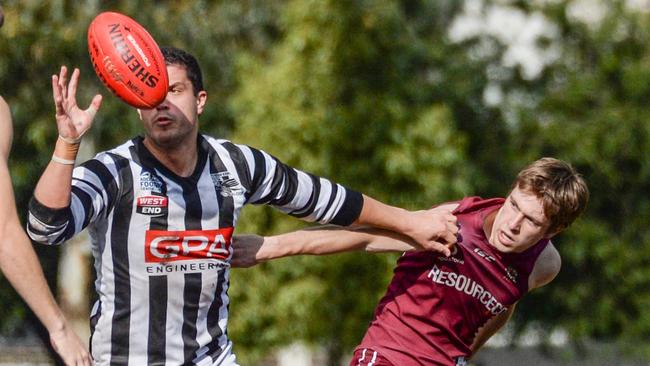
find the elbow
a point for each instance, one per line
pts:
(44, 237)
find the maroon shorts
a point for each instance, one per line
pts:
(368, 357)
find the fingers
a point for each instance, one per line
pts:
(438, 247)
(94, 106)
(56, 94)
(73, 352)
(63, 80)
(85, 359)
(72, 86)
(80, 358)
(447, 233)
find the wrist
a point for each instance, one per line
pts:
(268, 250)
(400, 221)
(56, 325)
(65, 150)
(70, 140)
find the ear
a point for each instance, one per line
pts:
(201, 99)
(139, 113)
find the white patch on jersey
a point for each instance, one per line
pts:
(227, 185)
(150, 183)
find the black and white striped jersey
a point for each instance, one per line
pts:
(162, 243)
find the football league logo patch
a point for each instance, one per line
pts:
(226, 184)
(150, 183)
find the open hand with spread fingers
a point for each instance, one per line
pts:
(72, 122)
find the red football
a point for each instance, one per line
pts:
(127, 60)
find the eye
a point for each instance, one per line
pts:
(514, 204)
(535, 224)
(176, 89)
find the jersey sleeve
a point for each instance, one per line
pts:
(95, 185)
(305, 196)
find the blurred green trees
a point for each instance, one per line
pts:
(411, 102)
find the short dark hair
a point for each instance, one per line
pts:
(176, 56)
(561, 188)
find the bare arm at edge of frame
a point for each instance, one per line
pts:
(21, 267)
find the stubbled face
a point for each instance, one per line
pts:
(175, 120)
(519, 223)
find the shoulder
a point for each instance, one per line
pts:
(476, 204)
(217, 142)
(224, 146)
(546, 267)
(110, 160)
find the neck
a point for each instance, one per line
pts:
(180, 159)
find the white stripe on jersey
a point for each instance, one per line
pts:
(363, 357)
(51, 234)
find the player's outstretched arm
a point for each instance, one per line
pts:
(53, 188)
(20, 266)
(433, 229)
(249, 250)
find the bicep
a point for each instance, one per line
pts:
(295, 192)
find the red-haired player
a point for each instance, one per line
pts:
(439, 310)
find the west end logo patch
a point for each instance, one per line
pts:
(226, 184)
(152, 205)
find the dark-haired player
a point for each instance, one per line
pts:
(439, 310)
(161, 209)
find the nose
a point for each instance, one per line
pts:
(515, 224)
(164, 105)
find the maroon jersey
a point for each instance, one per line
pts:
(435, 305)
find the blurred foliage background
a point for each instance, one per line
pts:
(413, 102)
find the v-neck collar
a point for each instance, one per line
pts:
(150, 160)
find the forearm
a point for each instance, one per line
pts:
(330, 240)
(21, 267)
(377, 214)
(54, 187)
